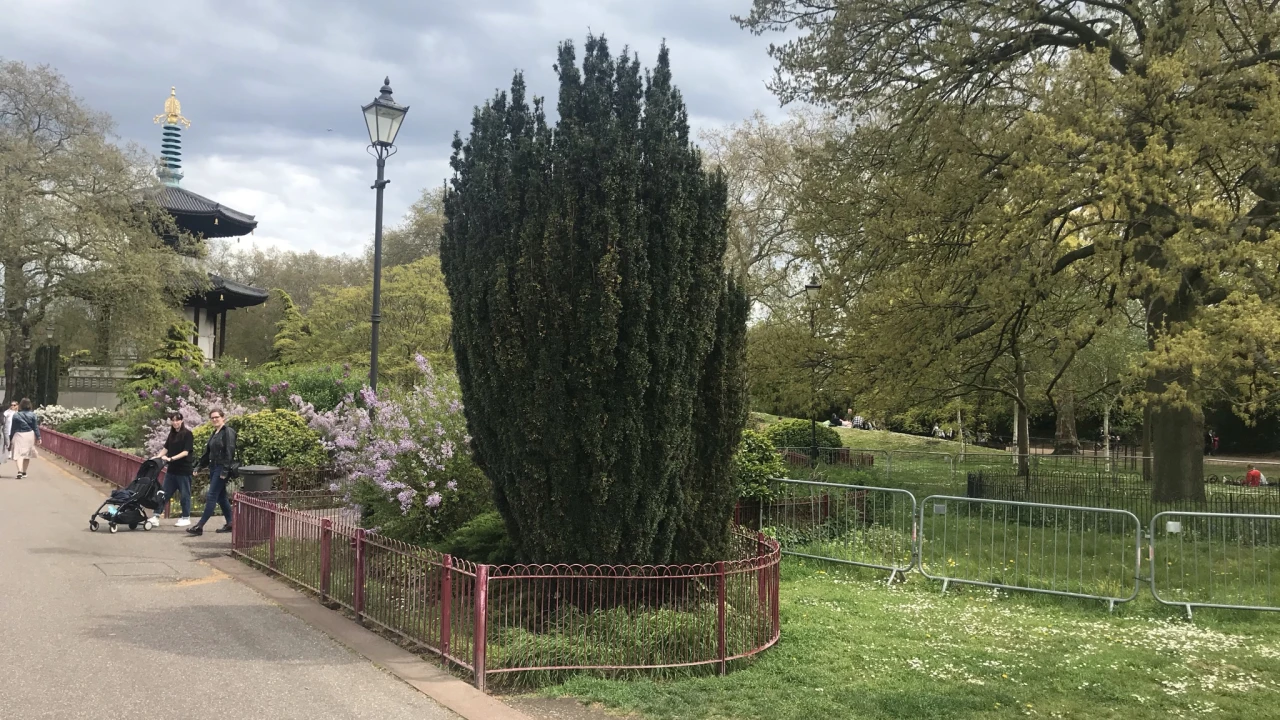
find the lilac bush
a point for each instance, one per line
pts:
(194, 408)
(404, 455)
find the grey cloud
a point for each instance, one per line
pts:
(281, 81)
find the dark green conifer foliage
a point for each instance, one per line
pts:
(599, 343)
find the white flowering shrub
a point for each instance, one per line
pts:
(55, 416)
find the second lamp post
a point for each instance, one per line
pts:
(383, 117)
(811, 293)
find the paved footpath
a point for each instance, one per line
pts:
(98, 625)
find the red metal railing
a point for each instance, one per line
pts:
(496, 620)
(116, 467)
(120, 468)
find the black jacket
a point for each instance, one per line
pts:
(220, 450)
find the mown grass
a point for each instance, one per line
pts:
(854, 647)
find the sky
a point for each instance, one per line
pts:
(273, 88)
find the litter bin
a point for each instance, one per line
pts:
(258, 478)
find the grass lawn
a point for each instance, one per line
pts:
(852, 647)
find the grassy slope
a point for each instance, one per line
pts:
(854, 648)
(881, 439)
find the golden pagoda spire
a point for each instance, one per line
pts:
(172, 114)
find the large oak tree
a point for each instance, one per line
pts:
(1018, 142)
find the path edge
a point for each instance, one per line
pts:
(450, 692)
(435, 683)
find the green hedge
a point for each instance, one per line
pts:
(754, 464)
(797, 433)
(271, 437)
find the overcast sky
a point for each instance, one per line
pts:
(273, 88)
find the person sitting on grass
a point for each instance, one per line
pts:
(1253, 478)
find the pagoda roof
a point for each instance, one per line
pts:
(224, 294)
(201, 216)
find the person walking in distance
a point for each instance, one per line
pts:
(179, 453)
(24, 435)
(219, 454)
(8, 424)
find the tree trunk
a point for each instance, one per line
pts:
(960, 432)
(1022, 423)
(1106, 435)
(102, 337)
(1065, 439)
(19, 375)
(1173, 436)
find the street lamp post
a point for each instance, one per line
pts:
(383, 118)
(811, 291)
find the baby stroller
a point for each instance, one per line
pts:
(129, 506)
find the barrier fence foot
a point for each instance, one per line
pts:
(1188, 611)
(944, 585)
(892, 576)
(1111, 606)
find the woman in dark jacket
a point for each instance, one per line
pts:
(179, 452)
(219, 454)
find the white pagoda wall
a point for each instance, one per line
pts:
(204, 321)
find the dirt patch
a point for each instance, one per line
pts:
(561, 709)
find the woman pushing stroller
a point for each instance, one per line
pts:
(219, 454)
(179, 453)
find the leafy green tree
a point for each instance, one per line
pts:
(292, 330)
(418, 234)
(175, 357)
(415, 320)
(75, 224)
(302, 276)
(1017, 141)
(598, 339)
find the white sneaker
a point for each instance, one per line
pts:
(183, 522)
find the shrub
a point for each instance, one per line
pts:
(754, 464)
(599, 342)
(483, 539)
(116, 435)
(271, 437)
(797, 433)
(405, 457)
(90, 421)
(57, 416)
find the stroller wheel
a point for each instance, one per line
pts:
(93, 526)
(112, 527)
(148, 525)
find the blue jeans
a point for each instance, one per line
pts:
(217, 495)
(180, 484)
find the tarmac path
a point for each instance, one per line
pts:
(97, 625)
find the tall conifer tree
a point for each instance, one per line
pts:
(598, 338)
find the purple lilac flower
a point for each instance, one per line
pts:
(433, 500)
(452, 485)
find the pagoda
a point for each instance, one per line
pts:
(202, 218)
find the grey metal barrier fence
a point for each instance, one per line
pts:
(1055, 549)
(1215, 560)
(852, 524)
